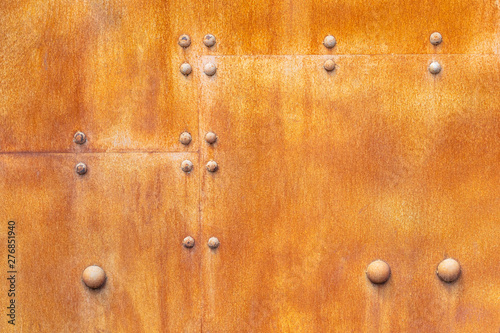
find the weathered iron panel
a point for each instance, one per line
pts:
(129, 215)
(321, 173)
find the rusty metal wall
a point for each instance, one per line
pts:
(319, 172)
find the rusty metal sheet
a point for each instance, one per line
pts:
(106, 68)
(129, 215)
(322, 173)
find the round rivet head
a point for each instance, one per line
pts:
(79, 138)
(185, 138)
(378, 272)
(329, 65)
(436, 38)
(209, 40)
(94, 277)
(211, 137)
(212, 166)
(187, 166)
(188, 242)
(435, 67)
(448, 270)
(329, 41)
(81, 168)
(184, 41)
(210, 68)
(186, 69)
(213, 243)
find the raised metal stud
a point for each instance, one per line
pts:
(210, 137)
(436, 38)
(448, 270)
(184, 41)
(188, 242)
(210, 68)
(209, 40)
(329, 65)
(81, 168)
(212, 166)
(185, 138)
(435, 67)
(378, 272)
(213, 243)
(79, 138)
(94, 277)
(187, 166)
(186, 69)
(329, 41)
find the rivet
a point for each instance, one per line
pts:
(186, 69)
(329, 41)
(209, 40)
(187, 166)
(211, 137)
(210, 68)
(329, 65)
(436, 38)
(81, 168)
(94, 277)
(212, 166)
(79, 138)
(448, 270)
(213, 243)
(188, 242)
(378, 272)
(185, 138)
(184, 41)
(435, 67)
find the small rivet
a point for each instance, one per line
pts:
(187, 166)
(81, 168)
(210, 68)
(436, 38)
(213, 243)
(184, 41)
(188, 242)
(448, 270)
(185, 138)
(209, 40)
(329, 65)
(329, 41)
(378, 272)
(211, 137)
(79, 138)
(212, 166)
(94, 277)
(435, 67)
(186, 69)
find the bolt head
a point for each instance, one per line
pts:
(185, 138)
(81, 168)
(212, 166)
(378, 272)
(94, 277)
(209, 68)
(436, 38)
(186, 69)
(184, 41)
(79, 138)
(213, 243)
(448, 270)
(329, 65)
(435, 67)
(209, 40)
(187, 166)
(329, 41)
(211, 137)
(188, 242)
